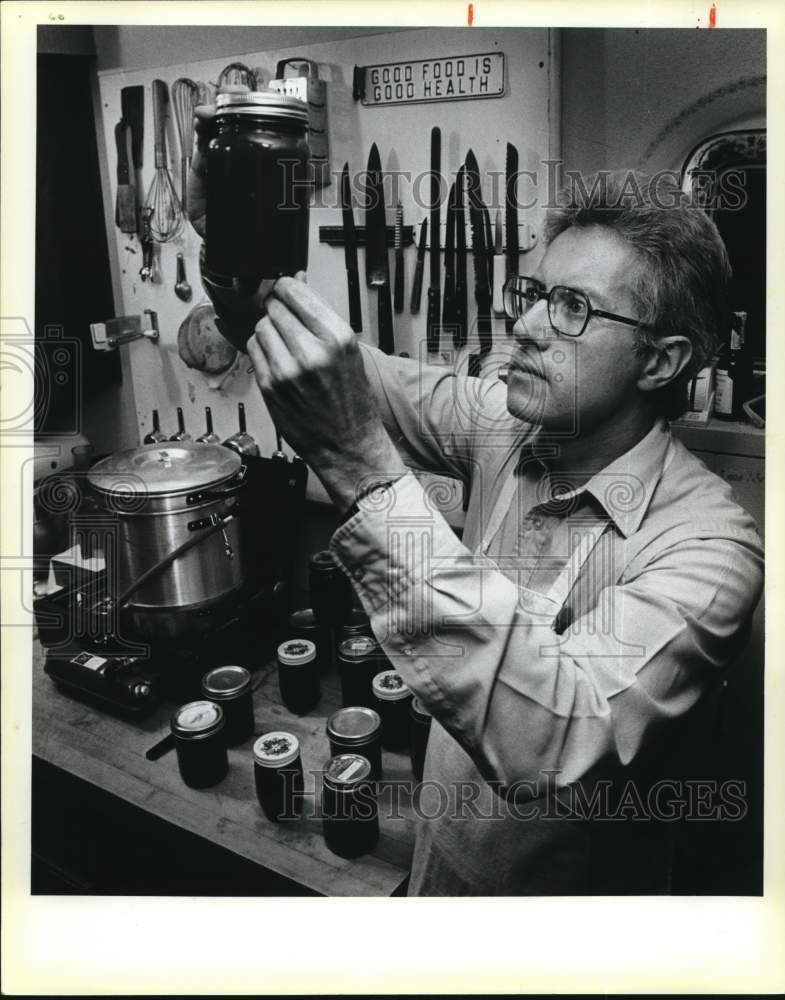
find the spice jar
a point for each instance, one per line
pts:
(350, 815)
(393, 700)
(359, 660)
(302, 624)
(278, 775)
(420, 729)
(199, 742)
(298, 675)
(231, 687)
(258, 186)
(331, 591)
(357, 729)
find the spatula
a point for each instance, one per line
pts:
(125, 205)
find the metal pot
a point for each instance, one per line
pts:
(179, 548)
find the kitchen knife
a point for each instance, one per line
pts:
(377, 266)
(499, 265)
(478, 221)
(461, 289)
(350, 253)
(125, 205)
(434, 295)
(398, 286)
(489, 248)
(132, 106)
(511, 219)
(414, 305)
(448, 304)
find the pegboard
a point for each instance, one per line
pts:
(402, 133)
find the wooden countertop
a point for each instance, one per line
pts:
(109, 752)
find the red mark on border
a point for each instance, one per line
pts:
(713, 16)
(471, 14)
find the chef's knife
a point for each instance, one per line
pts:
(350, 253)
(461, 289)
(499, 263)
(448, 306)
(489, 248)
(377, 266)
(398, 286)
(132, 106)
(511, 219)
(414, 305)
(434, 296)
(125, 205)
(478, 221)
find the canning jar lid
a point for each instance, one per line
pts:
(165, 467)
(226, 682)
(346, 770)
(323, 560)
(356, 623)
(419, 709)
(197, 719)
(265, 102)
(354, 724)
(357, 647)
(302, 618)
(296, 652)
(276, 749)
(389, 686)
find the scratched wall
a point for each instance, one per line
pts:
(159, 377)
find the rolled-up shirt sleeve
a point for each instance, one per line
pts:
(518, 697)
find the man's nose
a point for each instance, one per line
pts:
(534, 325)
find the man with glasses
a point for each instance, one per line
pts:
(604, 578)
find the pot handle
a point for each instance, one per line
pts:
(208, 496)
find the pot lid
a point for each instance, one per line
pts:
(166, 467)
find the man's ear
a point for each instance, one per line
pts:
(665, 360)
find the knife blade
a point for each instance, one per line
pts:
(398, 244)
(499, 265)
(511, 218)
(377, 265)
(350, 253)
(132, 109)
(125, 205)
(461, 288)
(478, 221)
(434, 297)
(414, 305)
(448, 305)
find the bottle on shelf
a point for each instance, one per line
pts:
(734, 372)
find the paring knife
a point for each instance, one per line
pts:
(434, 295)
(448, 305)
(414, 305)
(461, 288)
(511, 218)
(499, 265)
(398, 285)
(482, 288)
(350, 253)
(125, 205)
(377, 266)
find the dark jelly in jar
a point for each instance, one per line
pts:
(199, 742)
(230, 686)
(350, 816)
(258, 186)
(393, 699)
(278, 775)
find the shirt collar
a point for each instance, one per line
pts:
(624, 488)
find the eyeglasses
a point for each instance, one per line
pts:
(569, 310)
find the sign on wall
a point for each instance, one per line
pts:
(447, 78)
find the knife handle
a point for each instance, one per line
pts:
(398, 292)
(461, 300)
(414, 306)
(498, 285)
(355, 312)
(432, 322)
(385, 318)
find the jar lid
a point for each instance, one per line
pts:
(197, 719)
(356, 623)
(276, 749)
(357, 647)
(302, 618)
(420, 709)
(323, 560)
(266, 102)
(225, 682)
(390, 686)
(347, 769)
(355, 724)
(170, 467)
(295, 652)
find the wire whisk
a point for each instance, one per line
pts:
(236, 74)
(185, 97)
(167, 214)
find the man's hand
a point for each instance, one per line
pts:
(309, 369)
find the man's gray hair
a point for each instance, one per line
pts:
(682, 286)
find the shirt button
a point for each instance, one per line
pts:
(408, 651)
